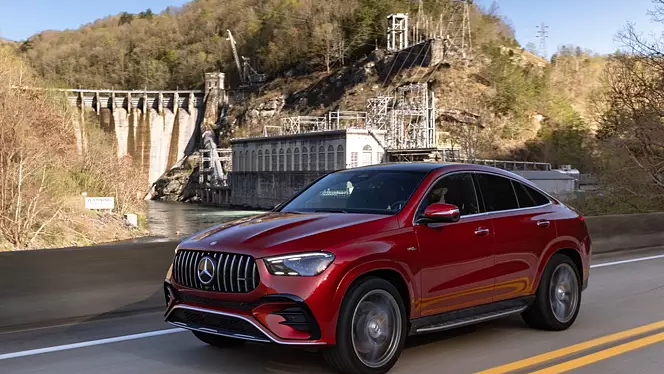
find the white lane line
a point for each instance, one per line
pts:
(626, 261)
(65, 347)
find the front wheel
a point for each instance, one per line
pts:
(558, 297)
(371, 330)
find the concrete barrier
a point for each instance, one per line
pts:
(55, 285)
(624, 232)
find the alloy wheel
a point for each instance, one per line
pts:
(376, 328)
(564, 292)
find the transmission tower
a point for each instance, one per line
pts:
(419, 23)
(542, 34)
(460, 30)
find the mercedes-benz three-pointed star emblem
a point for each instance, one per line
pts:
(206, 270)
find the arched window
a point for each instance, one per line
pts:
(341, 157)
(266, 160)
(236, 163)
(246, 163)
(274, 160)
(289, 160)
(330, 157)
(312, 159)
(296, 158)
(321, 158)
(252, 165)
(367, 158)
(281, 159)
(305, 159)
(260, 161)
(240, 157)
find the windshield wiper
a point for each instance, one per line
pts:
(330, 211)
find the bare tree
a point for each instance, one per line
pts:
(634, 116)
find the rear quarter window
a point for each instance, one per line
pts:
(497, 192)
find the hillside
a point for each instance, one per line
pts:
(173, 49)
(43, 174)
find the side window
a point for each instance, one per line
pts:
(497, 192)
(537, 196)
(456, 189)
(522, 195)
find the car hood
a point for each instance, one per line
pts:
(277, 233)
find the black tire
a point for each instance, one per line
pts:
(541, 315)
(218, 341)
(343, 356)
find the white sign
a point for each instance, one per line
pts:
(100, 203)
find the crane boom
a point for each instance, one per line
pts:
(235, 55)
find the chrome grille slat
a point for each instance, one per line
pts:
(214, 283)
(192, 271)
(246, 276)
(175, 267)
(187, 268)
(183, 267)
(239, 267)
(221, 256)
(254, 276)
(230, 273)
(179, 267)
(197, 257)
(223, 273)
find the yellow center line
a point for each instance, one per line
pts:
(573, 349)
(602, 355)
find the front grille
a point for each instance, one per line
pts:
(233, 273)
(217, 322)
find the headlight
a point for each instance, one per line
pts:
(300, 264)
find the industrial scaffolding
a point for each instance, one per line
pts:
(378, 112)
(303, 124)
(408, 119)
(414, 118)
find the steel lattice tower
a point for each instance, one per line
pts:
(542, 34)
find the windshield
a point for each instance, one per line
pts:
(358, 191)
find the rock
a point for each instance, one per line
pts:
(178, 184)
(259, 112)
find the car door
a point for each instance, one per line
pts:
(523, 227)
(456, 258)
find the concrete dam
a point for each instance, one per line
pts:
(155, 128)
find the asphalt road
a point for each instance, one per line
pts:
(620, 330)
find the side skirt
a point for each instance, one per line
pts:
(469, 316)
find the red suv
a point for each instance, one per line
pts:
(364, 257)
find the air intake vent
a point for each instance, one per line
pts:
(221, 272)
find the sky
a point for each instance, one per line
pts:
(20, 19)
(590, 24)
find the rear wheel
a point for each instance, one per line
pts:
(558, 297)
(218, 341)
(371, 330)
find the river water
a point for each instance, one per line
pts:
(175, 220)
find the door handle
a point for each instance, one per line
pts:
(543, 223)
(481, 231)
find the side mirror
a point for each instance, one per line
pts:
(440, 213)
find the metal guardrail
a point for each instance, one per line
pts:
(508, 164)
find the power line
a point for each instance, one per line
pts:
(542, 34)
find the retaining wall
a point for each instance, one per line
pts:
(619, 232)
(56, 285)
(265, 189)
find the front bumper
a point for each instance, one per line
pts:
(275, 318)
